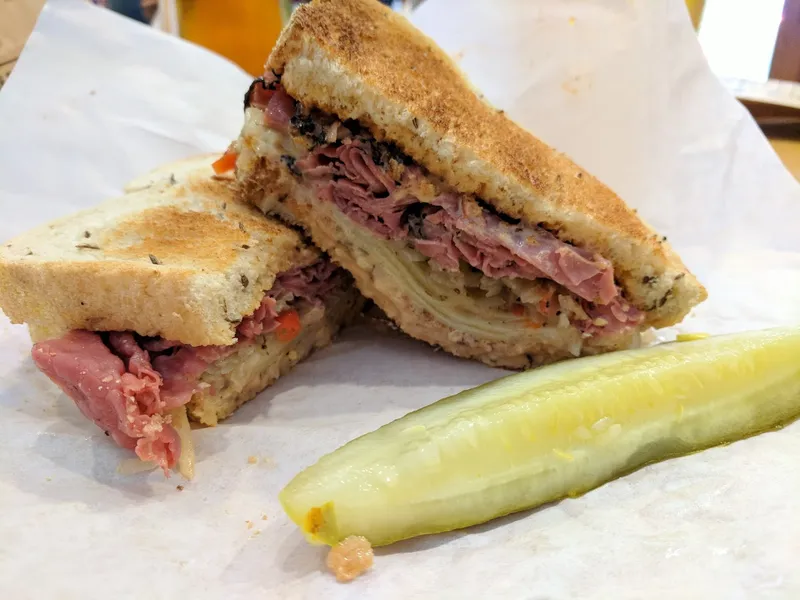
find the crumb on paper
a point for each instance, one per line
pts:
(350, 558)
(576, 84)
(263, 517)
(48, 479)
(571, 86)
(252, 460)
(179, 488)
(572, 20)
(249, 524)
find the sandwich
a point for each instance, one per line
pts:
(174, 302)
(466, 230)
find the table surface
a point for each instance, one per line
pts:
(789, 151)
(18, 17)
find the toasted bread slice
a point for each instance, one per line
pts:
(359, 60)
(180, 259)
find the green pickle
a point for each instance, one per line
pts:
(539, 436)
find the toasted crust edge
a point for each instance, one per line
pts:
(182, 303)
(85, 295)
(359, 60)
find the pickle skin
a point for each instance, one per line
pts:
(555, 432)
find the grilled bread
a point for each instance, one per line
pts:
(366, 68)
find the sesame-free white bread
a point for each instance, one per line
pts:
(359, 60)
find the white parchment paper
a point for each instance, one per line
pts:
(622, 86)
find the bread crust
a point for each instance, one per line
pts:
(359, 60)
(183, 260)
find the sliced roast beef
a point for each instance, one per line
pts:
(181, 370)
(126, 383)
(522, 251)
(279, 110)
(348, 176)
(442, 250)
(611, 318)
(277, 105)
(379, 190)
(261, 321)
(358, 166)
(259, 94)
(124, 400)
(159, 344)
(311, 283)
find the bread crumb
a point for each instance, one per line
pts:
(572, 21)
(263, 517)
(350, 558)
(252, 460)
(249, 524)
(179, 488)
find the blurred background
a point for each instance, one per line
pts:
(748, 40)
(200, 20)
(753, 40)
(752, 45)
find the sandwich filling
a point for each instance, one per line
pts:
(129, 384)
(521, 269)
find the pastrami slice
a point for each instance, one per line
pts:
(127, 384)
(380, 189)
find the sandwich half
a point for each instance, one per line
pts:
(176, 300)
(469, 232)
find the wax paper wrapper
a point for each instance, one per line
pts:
(620, 85)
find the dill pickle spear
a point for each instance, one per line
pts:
(542, 435)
